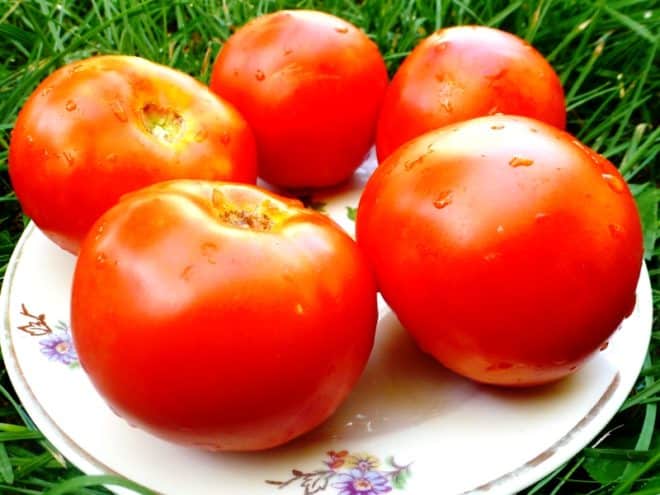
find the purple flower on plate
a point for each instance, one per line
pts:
(357, 482)
(58, 346)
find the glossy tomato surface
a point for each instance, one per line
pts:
(311, 86)
(221, 316)
(104, 126)
(464, 72)
(509, 250)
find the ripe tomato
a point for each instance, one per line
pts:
(101, 127)
(509, 250)
(310, 85)
(220, 315)
(465, 72)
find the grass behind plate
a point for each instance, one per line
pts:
(604, 51)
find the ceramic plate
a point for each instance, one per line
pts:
(409, 427)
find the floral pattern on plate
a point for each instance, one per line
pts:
(55, 342)
(350, 474)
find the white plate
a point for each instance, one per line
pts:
(417, 428)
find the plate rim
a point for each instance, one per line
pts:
(513, 481)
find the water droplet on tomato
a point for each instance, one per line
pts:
(208, 251)
(201, 135)
(288, 51)
(614, 182)
(342, 30)
(616, 230)
(260, 75)
(497, 127)
(225, 138)
(518, 161)
(100, 259)
(533, 130)
(70, 106)
(118, 111)
(541, 217)
(443, 199)
(68, 157)
(47, 91)
(491, 257)
(446, 105)
(29, 139)
(500, 229)
(185, 274)
(604, 346)
(111, 157)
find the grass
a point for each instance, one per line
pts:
(604, 51)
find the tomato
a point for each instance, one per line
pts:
(465, 72)
(104, 126)
(508, 249)
(311, 86)
(220, 315)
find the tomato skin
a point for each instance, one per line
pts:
(310, 85)
(465, 72)
(220, 336)
(83, 139)
(509, 250)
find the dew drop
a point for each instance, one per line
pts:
(118, 110)
(47, 91)
(446, 104)
(541, 217)
(208, 251)
(500, 229)
(616, 231)
(68, 157)
(342, 30)
(288, 51)
(99, 232)
(200, 135)
(100, 258)
(518, 161)
(604, 346)
(225, 138)
(443, 199)
(614, 182)
(185, 274)
(490, 257)
(29, 139)
(260, 75)
(111, 157)
(70, 106)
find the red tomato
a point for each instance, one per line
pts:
(465, 72)
(104, 126)
(509, 250)
(310, 85)
(221, 315)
